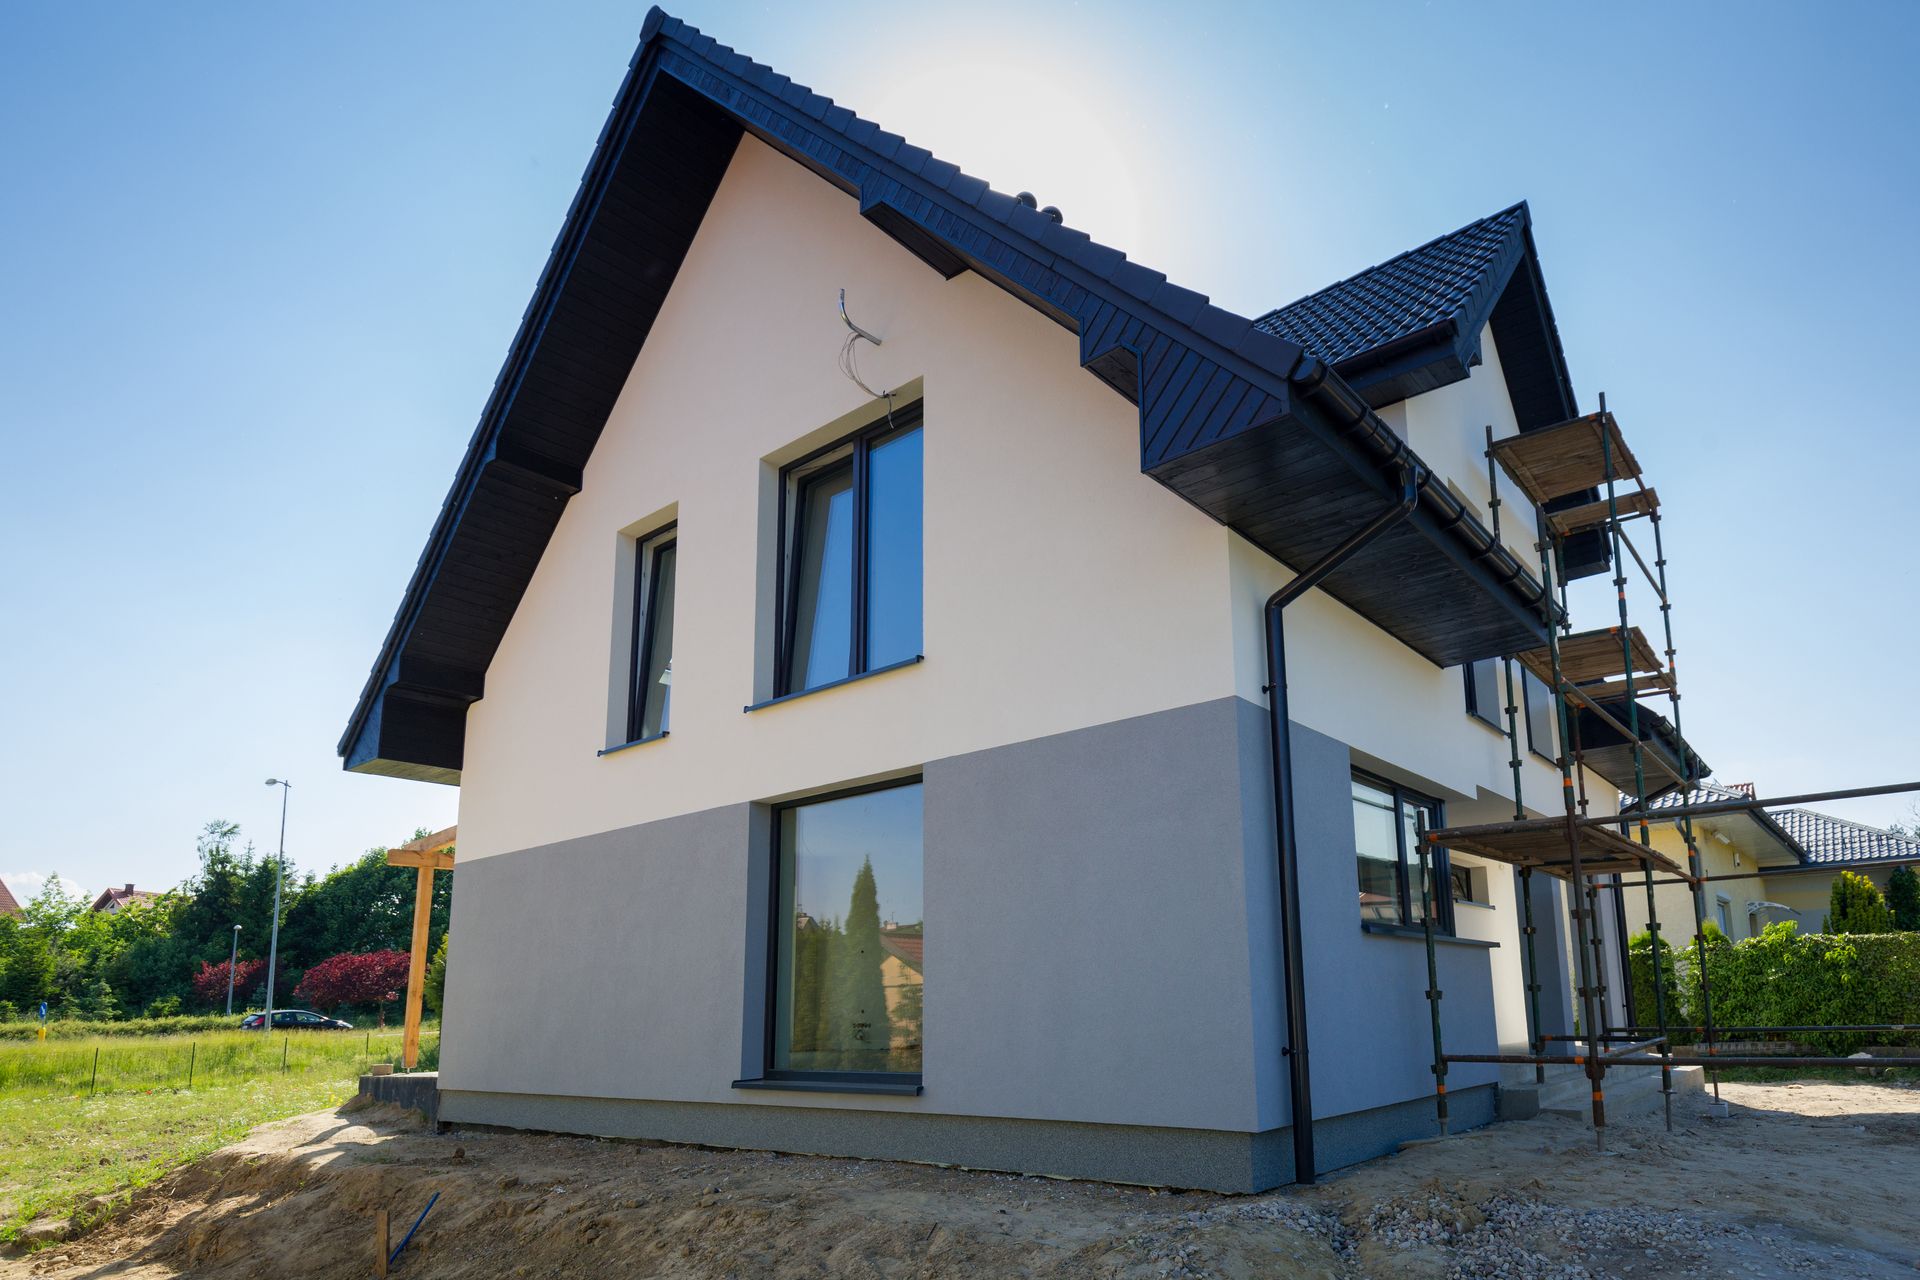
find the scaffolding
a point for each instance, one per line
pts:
(1576, 476)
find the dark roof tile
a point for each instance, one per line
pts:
(1403, 295)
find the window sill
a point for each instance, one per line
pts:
(908, 1087)
(1469, 902)
(637, 742)
(1419, 935)
(835, 684)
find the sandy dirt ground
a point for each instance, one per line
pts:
(1815, 1179)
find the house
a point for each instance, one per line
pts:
(111, 900)
(9, 905)
(1779, 863)
(846, 542)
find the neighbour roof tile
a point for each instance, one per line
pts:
(1835, 840)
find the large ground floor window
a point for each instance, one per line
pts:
(850, 936)
(1387, 822)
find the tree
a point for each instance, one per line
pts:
(98, 1004)
(30, 970)
(1855, 906)
(362, 907)
(210, 984)
(355, 979)
(1903, 898)
(436, 983)
(859, 1028)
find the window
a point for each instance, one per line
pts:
(651, 683)
(850, 552)
(1467, 884)
(1540, 714)
(1387, 820)
(1723, 909)
(1483, 692)
(849, 937)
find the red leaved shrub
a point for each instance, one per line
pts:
(210, 984)
(354, 979)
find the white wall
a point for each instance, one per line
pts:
(1063, 588)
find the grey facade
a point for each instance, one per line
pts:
(1103, 996)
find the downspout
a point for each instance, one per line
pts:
(1292, 957)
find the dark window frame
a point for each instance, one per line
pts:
(796, 478)
(769, 1073)
(1443, 921)
(1494, 716)
(1528, 683)
(646, 599)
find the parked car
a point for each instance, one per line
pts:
(295, 1020)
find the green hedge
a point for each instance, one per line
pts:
(1785, 978)
(75, 1029)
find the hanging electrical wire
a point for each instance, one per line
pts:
(849, 359)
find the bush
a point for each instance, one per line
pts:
(1784, 978)
(1856, 906)
(71, 1029)
(210, 984)
(369, 979)
(1903, 898)
(1640, 956)
(164, 1007)
(435, 987)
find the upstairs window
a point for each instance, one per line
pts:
(651, 683)
(1540, 714)
(1387, 822)
(851, 557)
(1483, 692)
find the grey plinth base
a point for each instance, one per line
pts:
(419, 1091)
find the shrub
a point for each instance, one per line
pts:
(1640, 956)
(436, 982)
(1784, 978)
(369, 979)
(69, 1029)
(1856, 906)
(210, 984)
(1903, 898)
(164, 1007)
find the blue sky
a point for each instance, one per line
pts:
(259, 266)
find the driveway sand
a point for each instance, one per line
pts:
(1802, 1179)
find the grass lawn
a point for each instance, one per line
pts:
(59, 1146)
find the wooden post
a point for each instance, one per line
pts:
(426, 855)
(382, 1242)
(417, 966)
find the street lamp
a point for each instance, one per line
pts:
(233, 958)
(279, 869)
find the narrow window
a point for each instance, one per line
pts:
(1540, 715)
(651, 687)
(849, 937)
(852, 555)
(1387, 822)
(1483, 692)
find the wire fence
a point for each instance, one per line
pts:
(122, 1064)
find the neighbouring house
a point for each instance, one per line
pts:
(966, 672)
(9, 905)
(1795, 852)
(111, 900)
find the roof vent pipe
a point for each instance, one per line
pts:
(1287, 849)
(1053, 214)
(1027, 198)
